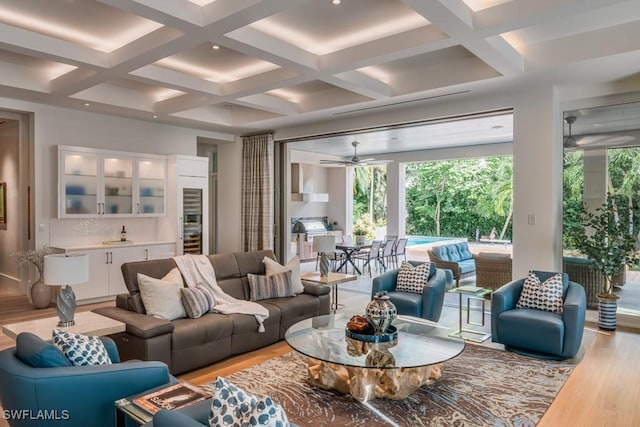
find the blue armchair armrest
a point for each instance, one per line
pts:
(59, 388)
(573, 316)
(504, 299)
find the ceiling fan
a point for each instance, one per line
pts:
(355, 160)
(593, 141)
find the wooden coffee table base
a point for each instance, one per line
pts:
(371, 383)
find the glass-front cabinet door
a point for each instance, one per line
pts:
(117, 186)
(79, 184)
(151, 187)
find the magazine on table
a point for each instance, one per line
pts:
(173, 397)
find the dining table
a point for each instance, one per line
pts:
(350, 249)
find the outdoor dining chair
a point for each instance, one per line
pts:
(400, 249)
(372, 255)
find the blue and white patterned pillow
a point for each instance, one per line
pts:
(81, 350)
(234, 407)
(545, 296)
(412, 279)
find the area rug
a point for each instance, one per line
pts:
(481, 387)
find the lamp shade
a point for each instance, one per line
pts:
(324, 244)
(62, 269)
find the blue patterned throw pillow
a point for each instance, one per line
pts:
(81, 350)
(234, 407)
(545, 296)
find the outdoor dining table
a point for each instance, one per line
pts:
(349, 250)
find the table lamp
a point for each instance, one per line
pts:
(60, 269)
(324, 245)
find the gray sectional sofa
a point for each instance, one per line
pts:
(186, 344)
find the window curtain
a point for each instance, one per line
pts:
(257, 192)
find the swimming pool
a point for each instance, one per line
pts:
(419, 240)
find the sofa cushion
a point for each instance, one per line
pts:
(197, 300)
(453, 252)
(38, 353)
(467, 266)
(546, 296)
(274, 286)
(234, 407)
(195, 332)
(162, 297)
(273, 267)
(412, 279)
(81, 350)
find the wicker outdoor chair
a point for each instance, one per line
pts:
(582, 271)
(493, 270)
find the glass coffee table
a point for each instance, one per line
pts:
(367, 370)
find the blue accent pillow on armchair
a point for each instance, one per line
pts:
(38, 353)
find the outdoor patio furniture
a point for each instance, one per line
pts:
(493, 269)
(400, 249)
(371, 255)
(582, 270)
(456, 257)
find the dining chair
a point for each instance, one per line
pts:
(373, 254)
(386, 257)
(400, 249)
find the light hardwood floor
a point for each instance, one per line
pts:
(603, 390)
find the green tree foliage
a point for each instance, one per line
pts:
(456, 197)
(370, 193)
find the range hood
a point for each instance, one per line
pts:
(302, 185)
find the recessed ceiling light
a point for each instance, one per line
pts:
(336, 2)
(154, 116)
(215, 47)
(86, 104)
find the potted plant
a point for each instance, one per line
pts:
(363, 229)
(607, 238)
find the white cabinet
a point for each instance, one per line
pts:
(105, 274)
(94, 183)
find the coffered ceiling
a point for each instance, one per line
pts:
(242, 65)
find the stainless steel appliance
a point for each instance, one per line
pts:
(305, 229)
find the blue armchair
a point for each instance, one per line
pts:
(428, 304)
(538, 333)
(74, 395)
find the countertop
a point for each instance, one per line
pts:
(100, 245)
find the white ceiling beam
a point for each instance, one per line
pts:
(263, 82)
(360, 83)
(581, 47)
(184, 103)
(517, 14)
(61, 84)
(180, 14)
(410, 43)
(207, 114)
(271, 49)
(176, 80)
(45, 47)
(148, 48)
(228, 15)
(269, 103)
(456, 19)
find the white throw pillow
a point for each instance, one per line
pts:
(412, 279)
(161, 298)
(546, 296)
(273, 267)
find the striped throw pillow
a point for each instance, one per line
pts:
(274, 286)
(197, 300)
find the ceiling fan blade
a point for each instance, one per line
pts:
(335, 162)
(594, 140)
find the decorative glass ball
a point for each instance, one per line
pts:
(382, 312)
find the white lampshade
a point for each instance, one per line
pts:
(324, 244)
(60, 269)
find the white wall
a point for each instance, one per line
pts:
(339, 197)
(229, 202)
(10, 232)
(54, 126)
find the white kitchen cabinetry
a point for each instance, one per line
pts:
(97, 183)
(105, 274)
